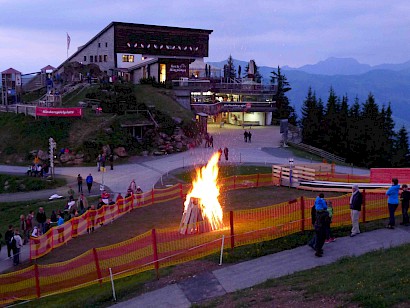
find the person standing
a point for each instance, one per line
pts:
(23, 228)
(356, 200)
(220, 153)
(41, 219)
(321, 223)
(80, 183)
(70, 193)
(250, 136)
(89, 181)
(312, 242)
(211, 141)
(405, 200)
(7, 237)
(226, 152)
(392, 201)
(111, 160)
(245, 136)
(16, 247)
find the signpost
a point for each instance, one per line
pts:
(102, 169)
(52, 147)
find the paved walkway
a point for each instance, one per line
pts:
(247, 274)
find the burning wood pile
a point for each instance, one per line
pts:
(202, 211)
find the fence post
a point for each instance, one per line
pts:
(97, 266)
(257, 180)
(155, 251)
(302, 212)
(152, 196)
(36, 274)
(232, 230)
(364, 206)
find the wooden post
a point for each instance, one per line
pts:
(180, 191)
(232, 230)
(364, 206)
(152, 196)
(155, 251)
(302, 212)
(97, 266)
(36, 274)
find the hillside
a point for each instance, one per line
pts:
(22, 136)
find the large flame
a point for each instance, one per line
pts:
(206, 190)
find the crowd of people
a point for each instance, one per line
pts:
(34, 225)
(322, 213)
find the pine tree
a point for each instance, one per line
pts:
(331, 135)
(401, 154)
(354, 153)
(310, 120)
(282, 102)
(230, 72)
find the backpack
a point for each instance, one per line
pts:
(13, 243)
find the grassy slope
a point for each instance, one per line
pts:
(21, 134)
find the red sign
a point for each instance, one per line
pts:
(248, 105)
(59, 112)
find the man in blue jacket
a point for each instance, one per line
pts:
(321, 223)
(392, 201)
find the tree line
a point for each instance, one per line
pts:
(362, 133)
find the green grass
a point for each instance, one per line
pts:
(27, 183)
(224, 172)
(162, 99)
(99, 296)
(376, 279)
(72, 98)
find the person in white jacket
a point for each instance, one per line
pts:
(16, 247)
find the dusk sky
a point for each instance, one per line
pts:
(284, 32)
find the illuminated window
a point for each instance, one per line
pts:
(162, 72)
(127, 58)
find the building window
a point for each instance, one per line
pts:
(127, 58)
(91, 59)
(162, 72)
(99, 45)
(106, 44)
(85, 58)
(100, 58)
(95, 58)
(105, 58)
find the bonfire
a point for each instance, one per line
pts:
(202, 210)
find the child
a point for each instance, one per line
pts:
(329, 237)
(405, 200)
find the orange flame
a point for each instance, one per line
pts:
(206, 190)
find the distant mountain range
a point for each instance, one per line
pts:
(387, 82)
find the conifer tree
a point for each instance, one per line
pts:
(230, 72)
(310, 120)
(282, 102)
(401, 149)
(331, 137)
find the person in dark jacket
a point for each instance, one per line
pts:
(41, 219)
(405, 200)
(7, 237)
(321, 224)
(312, 242)
(356, 200)
(392, 201)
